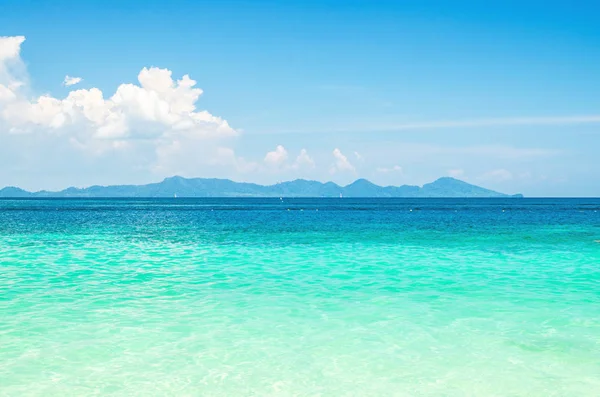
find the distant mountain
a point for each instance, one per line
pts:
(202, 187)
(11, 191)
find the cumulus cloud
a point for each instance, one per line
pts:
(10, 65)
(385, 170)
(341, 164)
(277, 160)
(304, 160)
(10, 49)
(10, 46)
(69, 80)
(157, 107)
(277, 157)
(148, 121)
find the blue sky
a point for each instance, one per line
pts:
(502, 95)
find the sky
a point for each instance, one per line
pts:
(502, 94)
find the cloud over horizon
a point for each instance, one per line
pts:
(277, 157)
(154, 127)
(341, 164)
(145, 122)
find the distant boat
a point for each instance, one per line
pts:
(175, 195)
(341, 195)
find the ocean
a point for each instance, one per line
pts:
(300, 297)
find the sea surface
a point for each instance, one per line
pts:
(300, 297)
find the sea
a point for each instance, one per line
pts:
(299, 297)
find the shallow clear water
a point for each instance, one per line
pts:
(305, 297)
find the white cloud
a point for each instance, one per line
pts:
(456, 173)
(158, 108)
(358, 156)
(277, 157)
(10, 65)
(277, 160)
(304, 160)
(466, 123)
(145, 122)
(385, 170)
(341, 163)
(69, 80)
(494, 122)
(410, 151)
(10, 47)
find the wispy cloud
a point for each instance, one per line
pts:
(516, 121)
(498, 151)
(465, 123)
(418, 152)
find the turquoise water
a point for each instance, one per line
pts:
(300, 297)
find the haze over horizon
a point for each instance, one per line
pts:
(503, 96)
